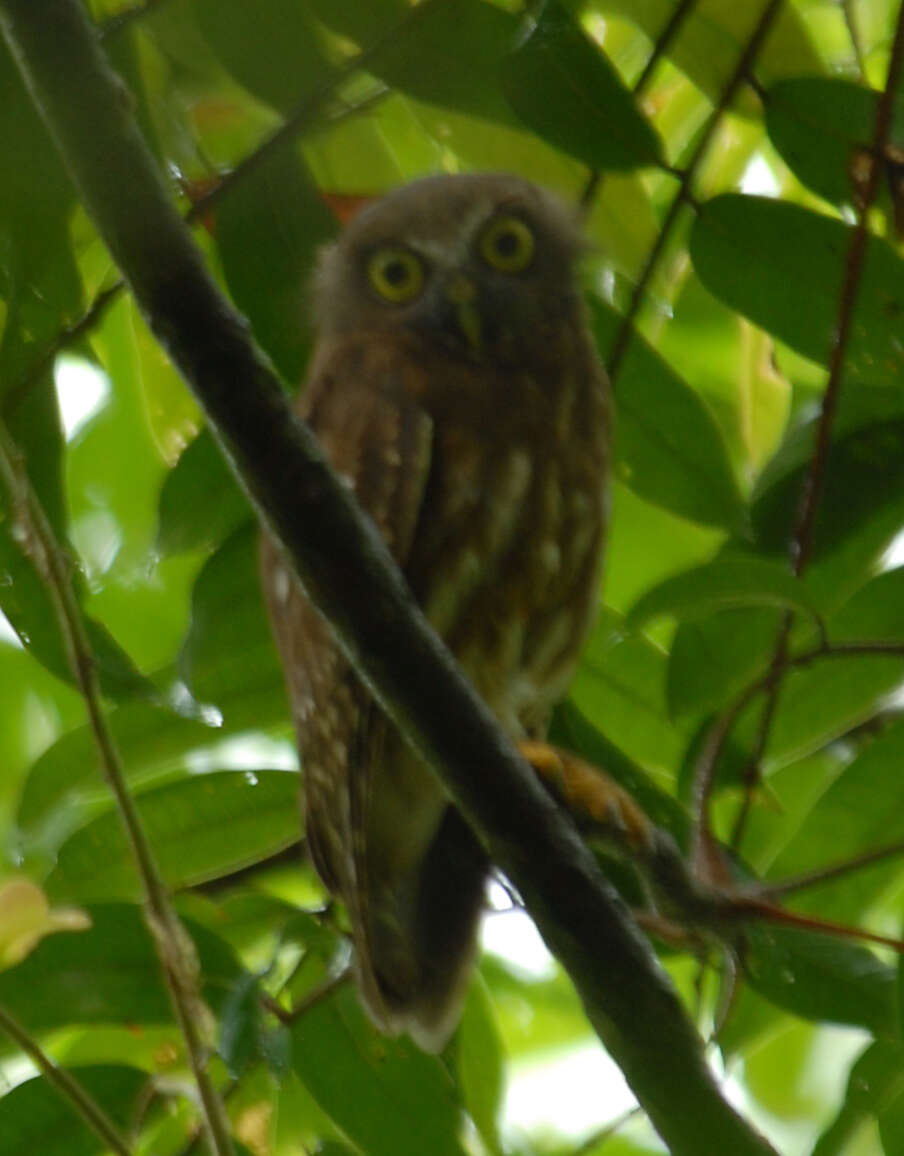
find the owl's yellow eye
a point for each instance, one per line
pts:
(396, 274)
(507, 244)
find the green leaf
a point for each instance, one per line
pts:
(563, 87)
(228, 656)
(730, 581)
(862, 496)
(201, 503)
(450, 55)
(201, 828)
(874, 1083)
(268, 231)
(354, 1074)
(480, 1061)
(818, 124)
(147, 739)
(793, 261)
(818, 977)
(34, 1117)
(619, 687)
(713, 658)
(669, 448)
(30, 609)
(820, 702)
(271, 47)
(108, 974)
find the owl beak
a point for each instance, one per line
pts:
(462, 294)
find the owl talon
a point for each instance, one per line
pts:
(590, 794)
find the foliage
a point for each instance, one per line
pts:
(733, 151)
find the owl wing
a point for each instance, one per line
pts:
(360, 401)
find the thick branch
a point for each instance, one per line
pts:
(347, 570)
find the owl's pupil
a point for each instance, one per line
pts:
(506, 244)
(396, 272)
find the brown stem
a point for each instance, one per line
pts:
(801, 543)
(174, 948)
(683, 196)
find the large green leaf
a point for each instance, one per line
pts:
(228, 657)
(109, 974)
(793, 264)
(729, 581)
(619, 687)
(669, 448)
(818, 124)
(388, 1097)
(268, 230)
(200, 828)
(271, 47)
(200, 501)
(819, 977)
(874, 1086)
(562, 86)
(34, 1117)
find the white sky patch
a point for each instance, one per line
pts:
(894, 555)
(8, 636)
(759, 179)
(249, 752)
(567, 1094)
(511, 936)
(82, 391)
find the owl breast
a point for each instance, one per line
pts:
(506, 557)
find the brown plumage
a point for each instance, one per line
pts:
(456, 387)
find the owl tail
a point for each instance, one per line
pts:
(420, 946)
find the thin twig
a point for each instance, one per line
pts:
(68, 1087)
(660, 48)
(720, 730)
(598, 1138)
(66, 337)
(683, 196)
(807, 879)
(174, 947)
(309, 109)
(800, 545)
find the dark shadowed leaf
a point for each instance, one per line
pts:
(818, 977)
(35, 1118)
(354, 1073)
(271, 47)
(562, 86)
(228, 657)
(793, 263)
(268, 231)
(201, 503)
(108, 974)
(819, 124)
(669, 448)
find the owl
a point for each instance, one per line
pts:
(456, 388)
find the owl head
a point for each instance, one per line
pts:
(481, 264)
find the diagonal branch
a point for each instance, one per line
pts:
(349, 573)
